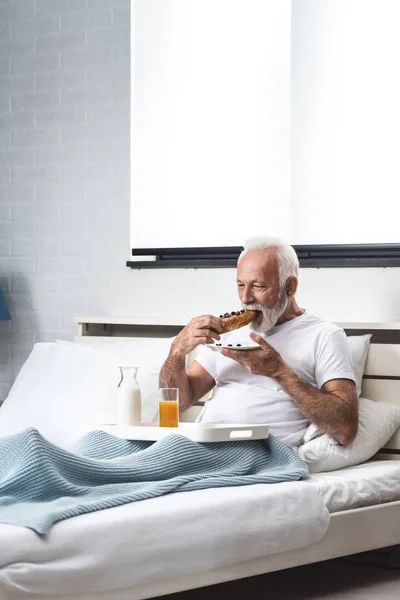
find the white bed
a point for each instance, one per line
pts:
(210, 536)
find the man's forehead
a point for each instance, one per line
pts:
(258, 262)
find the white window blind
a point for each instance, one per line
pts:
(210, 121)
(345, 121)
(264, 117)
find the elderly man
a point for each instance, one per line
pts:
(302, 372)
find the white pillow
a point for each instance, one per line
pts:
(149, 354)
(65, 389)
(377, 423)
(133, 351)
(359, 347)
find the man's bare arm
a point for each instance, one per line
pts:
(333, 408)
(173, 374)
(196, 381)
(193, 383)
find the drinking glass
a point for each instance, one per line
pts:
(168, 406)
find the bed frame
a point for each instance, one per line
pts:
(349, 532)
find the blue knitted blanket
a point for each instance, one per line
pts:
(41, 483)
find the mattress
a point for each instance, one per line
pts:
(372, 482)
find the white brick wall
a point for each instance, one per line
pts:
(64, 166)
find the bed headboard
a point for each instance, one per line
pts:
(382, 372)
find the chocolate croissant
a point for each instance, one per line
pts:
(235, 320)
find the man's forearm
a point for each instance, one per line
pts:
(173, 374)
(333, 414)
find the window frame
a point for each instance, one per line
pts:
(310, 256)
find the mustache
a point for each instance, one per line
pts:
(252, 306)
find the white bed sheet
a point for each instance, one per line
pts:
(108, 553)
(372, 482)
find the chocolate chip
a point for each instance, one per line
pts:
(233, 313)
(218, 344)
(238, 344)
(229, 344)
(226, 315)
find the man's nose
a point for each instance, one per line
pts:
(246, 295)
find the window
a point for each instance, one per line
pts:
(265, 117)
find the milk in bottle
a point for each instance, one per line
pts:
(129, 405)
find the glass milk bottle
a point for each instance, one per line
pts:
(129, 405)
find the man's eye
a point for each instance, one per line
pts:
(259, 287)
(240, 285)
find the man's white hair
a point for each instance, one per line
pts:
(288, 263)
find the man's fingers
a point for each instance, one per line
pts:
(206, 323)
(210, 333)
(258, 339)
(207, 340)
(211, 322)
(234, 354)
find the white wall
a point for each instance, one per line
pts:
(64, 191)
(370, 294)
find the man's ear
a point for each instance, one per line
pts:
(291, 286)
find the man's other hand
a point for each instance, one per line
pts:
(265, 361)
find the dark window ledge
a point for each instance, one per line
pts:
(323, 256)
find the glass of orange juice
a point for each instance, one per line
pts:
(168, 407)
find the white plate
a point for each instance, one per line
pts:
(232, 347)
(198, 432)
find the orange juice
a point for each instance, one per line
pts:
(169, 413)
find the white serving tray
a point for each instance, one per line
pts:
(198, 432)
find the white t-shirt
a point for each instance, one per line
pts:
(315, 349)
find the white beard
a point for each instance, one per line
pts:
(270, 315)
